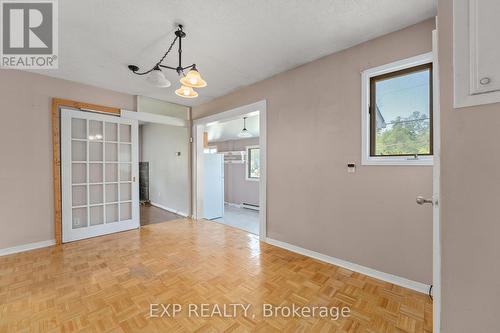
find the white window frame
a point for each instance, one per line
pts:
(366, 75)
(247, 163)
(210, 150)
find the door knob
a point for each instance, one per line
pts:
(421, 200)
(485, 81)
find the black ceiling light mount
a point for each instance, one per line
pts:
(188, 81)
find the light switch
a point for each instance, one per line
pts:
(351, 167)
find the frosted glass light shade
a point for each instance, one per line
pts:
(245, 134)
(193, 79)
(186, 92)
(158, 79)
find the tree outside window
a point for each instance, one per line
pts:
(253, 163)
(401, 112)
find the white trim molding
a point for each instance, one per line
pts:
(27, 247)
(168, 209)
(153, 118)
(366, 159)
(231, 204)
(397, 280)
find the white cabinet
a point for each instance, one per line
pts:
(476, 52)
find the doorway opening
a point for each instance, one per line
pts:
(232, 171)
(229, 168)
(163, 164)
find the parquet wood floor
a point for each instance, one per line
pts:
(151, 215)
(106, 284)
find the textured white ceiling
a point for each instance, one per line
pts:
(233, 42)
(229, 130)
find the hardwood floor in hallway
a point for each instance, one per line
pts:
(151, 215)
(108, 283)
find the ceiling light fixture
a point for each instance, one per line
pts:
(186, 92)
(188, 81)
(244, 132)
(158, 79)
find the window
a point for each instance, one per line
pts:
(210, 150)
(253, 163)
(398, 113)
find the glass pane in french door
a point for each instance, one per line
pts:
(125, 172)
(79, 173)
(79, 128)
(111, 130)
(87, 172)
(97, 215)
(111, 193)
(111, 213)
(125, 133)
(125, 211)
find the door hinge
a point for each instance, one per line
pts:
(191, 139)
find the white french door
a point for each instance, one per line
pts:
(99, 165)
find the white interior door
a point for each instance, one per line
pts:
(436, 229)
(99, 165)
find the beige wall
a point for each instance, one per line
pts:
(470, 212)
(26, 196)
(314, 123)
(237, 189)
(168, 173)
(152, 105)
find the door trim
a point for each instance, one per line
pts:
(436, 183)
(57, 103)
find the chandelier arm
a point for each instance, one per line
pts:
(162, 58)
(190, 66)
(168, 67)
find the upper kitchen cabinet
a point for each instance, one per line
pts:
(476, 52)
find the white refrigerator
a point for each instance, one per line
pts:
(213, 187)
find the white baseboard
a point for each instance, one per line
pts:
(169, 209)
(242, 206)
(248, 206)
(397, 280)
(26, 247)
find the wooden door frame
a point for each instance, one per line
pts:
(57, 103)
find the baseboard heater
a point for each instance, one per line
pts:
(250, 206)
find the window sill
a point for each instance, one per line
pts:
(252, 179)
(401, 161)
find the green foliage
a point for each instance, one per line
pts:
(404, 136)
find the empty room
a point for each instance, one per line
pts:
(249, 166)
